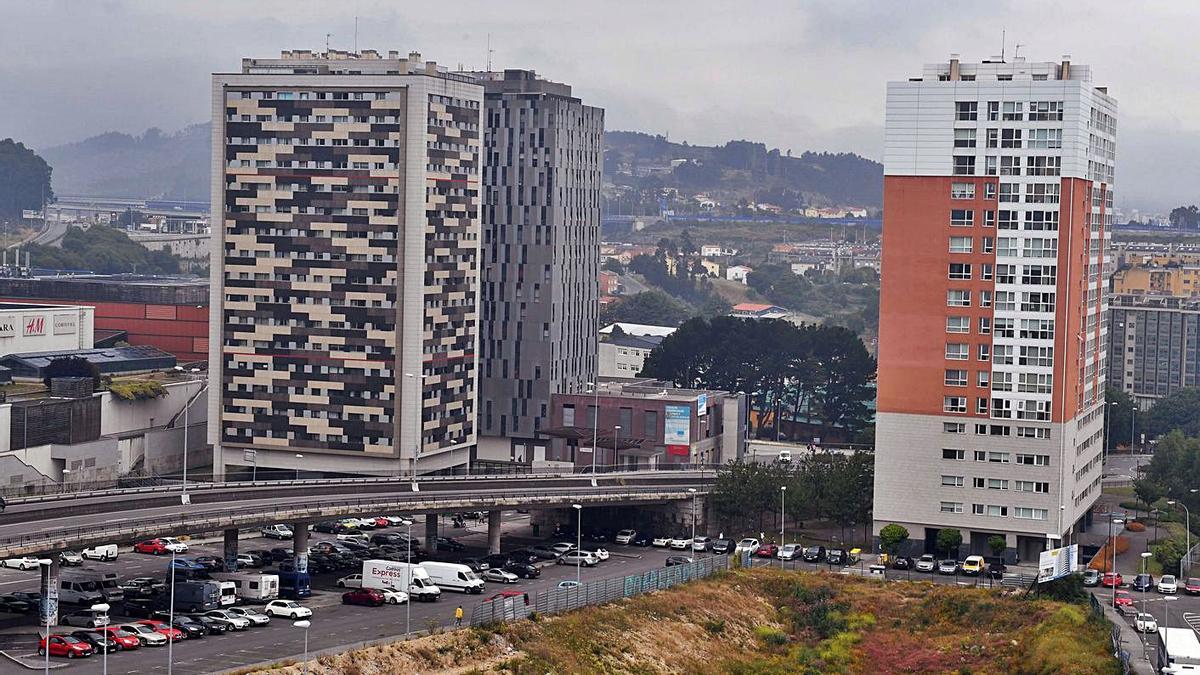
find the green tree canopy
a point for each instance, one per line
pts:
(1178, 410)
(948, 540)
(648, 307)
(104, 250)
(24, 180)
(1120, 416)
(892, 538)
(71, 366)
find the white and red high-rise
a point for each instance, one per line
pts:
(998, 194)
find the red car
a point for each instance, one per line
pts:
(1192, 587)
(767, 551)
(382, 522)
(1124, 599)
(151, 546)
(364, 596)
(123, 639)
(65, 645)
(1112, 580)
(173, 634)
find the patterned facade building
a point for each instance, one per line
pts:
(541, 251)
(998, 195)
(344, 318)
(1153, 345)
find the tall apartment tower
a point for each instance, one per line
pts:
(998, 194)
(541, 257)
(345, 264)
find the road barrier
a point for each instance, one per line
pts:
(503, 607)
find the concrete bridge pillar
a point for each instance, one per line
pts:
(431, 531)
(300, 546)
(231, 549)
(49, 588)
(494, 531)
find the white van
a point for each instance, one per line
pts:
(228, 593)
(80, 592)
(101, 552)
(252, 586)
(276, 531)
(453, 576)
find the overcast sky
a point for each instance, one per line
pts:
(798, 75)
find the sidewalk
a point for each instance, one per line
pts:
(1131, 642)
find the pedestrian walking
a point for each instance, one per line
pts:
(458, 615)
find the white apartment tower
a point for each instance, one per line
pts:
(998, 195)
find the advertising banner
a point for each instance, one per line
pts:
(65, 324)
(677, 425)
(1058, 562)
(702, 405)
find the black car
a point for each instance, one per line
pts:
(328, 527)
(449, 544)
(996, 570)
(673, 560)
(211, 625)
(278, 554)
(142, 609)
(498, 560)
(354, 546)
(191, 628)
(543, 553)
(598, 536)
(33, 598)
(523, 570)
(722, 546)
(1143, 582)
(14, 605)
(387, 538)
(210, 563)
(902, 563)
(99, 642)
(835, 556)
(814, 554)
(475, 564)
(261, 557)
(642, 539)
(142, 587)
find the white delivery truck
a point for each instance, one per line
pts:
(253, 587)
(400, 576)
(453, 576)
(228, 596)
(1178, 651)
(102, 552)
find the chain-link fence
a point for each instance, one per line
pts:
(511, 605)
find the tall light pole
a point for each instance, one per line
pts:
(1107, 428)
(1167, 619)
(304, 623)
(408, 591)
(1132, 425)
(578, 537)
(782, 518)
(51, 591)
(296, 475)
(692, 491)
(616, 433)
(1113, 542)
(1145, 556)
(187, 400)
(171, 617)
(1188, 527)
(412, 466)
(103, 609)
(595, 421)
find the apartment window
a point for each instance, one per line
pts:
(956, 378)
(985, 352)
(1003, 356)
(1032, 486)
(1042, 193)
(1006, 274)
(1037, 302)
(952, 481)
(985, 298)
(1028, 513)
(953, 453)
(989, 162)
(1033, 460)
(997, 484)
(1045, 111)
(1006, 301)
(1043, 166)
(1035, 383)
(997, 511)
(989, 216)
(1010, 193)
(650, 424)
(991, 456)
(1045, 139)
(962, 190)
(964, 166)
(953, 428)
(981, 405)
(1040, 248)
(958, 299)
(1010, 138)
(989, 191)
(1041, 433)
(568, 415)
(993, 111)
(960, 245)
(957, 351)
(960, 270)
(1002, 381)
(985, 325)
(985, 271)
(962, 217)
(951, 507)
(988, 244)
(999, 430)
(981, 379)
(1010, 166)
(958, 324)
(1036, 356)
(954, 404)
(1007, 247)
(1041, 221)
(966, 111)
(1037, 329)
(964, 138)
(1012, 111)
(993, 141)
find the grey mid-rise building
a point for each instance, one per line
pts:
(1153, 345)
(539, 275)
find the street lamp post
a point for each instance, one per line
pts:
(782, 518)
(103, 609)
(595, 423)
(616, 433)
(1113, 542)
(304, 623)
(1132, 425)
(296, 475)
(692, 491)
(66, 475)
(50, 591)
(1107, 428)
(408, 603)
(1187, 526)
(578, 537)
(171, 618)
(1145, 556)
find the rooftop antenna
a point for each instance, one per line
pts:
(356, 35)
(327, 36)
(1017, 51)
(1003, 42)
(489, 52)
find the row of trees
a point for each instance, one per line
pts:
(104, 250)
(820, 485)
(24, 180)
(848, 297)
(788, 371)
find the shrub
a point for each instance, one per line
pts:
(1135, 526)
(138, 390)
(715, 626)
(771, 635)
(1103, 559)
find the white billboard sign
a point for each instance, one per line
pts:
(1057, 563)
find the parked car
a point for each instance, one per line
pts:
(363, 596)
(1112, 580)
(722, 546)
(1091, 577)
(393, 597)
(125, 640)
(972, 565)
(563, 546)
(1143, 582)
(625, 537)
(24, 563)
(673, 560)
(64, 645)
(997, 570)
(680, 543)
(99, 641)
(523, 570)
(85, 618)
(601, 553)
(151, 546)
(281, 553)
(70, 558)
(497, 560)
(767, 550)
(948, 566)
(1192, 586)
(250, 560)
(477, 565)
(585, 558)
(449, 544)
(213, 626)
(836, 556)
(926, 563)
(1145, 623)
(192, 629)
(350, 581)
(229, 619)
(499, 575)
(210, 563)
(163, 628)
(144, 587)
(543, 552)
(661, 542)
(14, 605)
(329, 527)
(570, 583)
(1124, 599)
(902, 562)
(277, 531)
(255, 617)
(174, 544)
(100, 552)
(146, 635)
(814, 554)
(701, 544)
(789, 552)
(1167, 584)
(289, 608)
